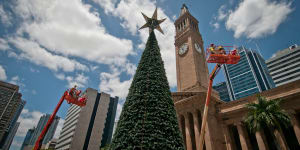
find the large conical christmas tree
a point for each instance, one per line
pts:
(148, 120)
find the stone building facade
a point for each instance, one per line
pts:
(225, 128)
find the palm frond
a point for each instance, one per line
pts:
(265, 113)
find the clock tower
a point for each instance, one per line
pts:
(191, 66)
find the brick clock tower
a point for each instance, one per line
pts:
(192, 72)
(192, 84)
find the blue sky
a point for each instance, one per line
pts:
(48, 46)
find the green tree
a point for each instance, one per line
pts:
(106, 147)
(148, 120)
(267, 115)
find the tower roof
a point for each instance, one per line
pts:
(184, 9)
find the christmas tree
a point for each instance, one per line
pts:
(148, 120)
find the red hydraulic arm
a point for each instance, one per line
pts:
(39, 141)
(211, 78)
(80, 101)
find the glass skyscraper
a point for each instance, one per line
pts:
(223, 91)
(27, 139)
(40, 126)
(249, 76)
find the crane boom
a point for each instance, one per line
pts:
(204, 119)
(39, 141)
(69, 96)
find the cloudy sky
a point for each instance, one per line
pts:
(47, 46)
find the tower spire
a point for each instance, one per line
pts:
(184, 9)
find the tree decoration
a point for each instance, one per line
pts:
(148, 120)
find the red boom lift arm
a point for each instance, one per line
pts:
(70, 99)
(203, 125)
(232, 57)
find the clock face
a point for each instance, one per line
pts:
(198, 48)
(183, 49)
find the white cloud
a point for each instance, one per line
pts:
(119, 110)
(174, 17)
(111, 83)
(34, 70)
(5, 17)
(15, 80)
(127, 11)
(27, 119)
(80, 80)
(69, 28)
(216, 25)
(3, 44)
(33, 52)
(13, 55)
(59, 128)
(108, 4)
(2, 74)
(60, 76)
(222, 14)
(257, 18)
(93, 68)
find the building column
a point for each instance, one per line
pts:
(280, 139)
(296, 125)
(187, 132)
(179, 122)
(244, 138)
(228, 138)
(261, 140)
(196, 129)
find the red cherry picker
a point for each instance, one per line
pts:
(220, 57)
(72, 96)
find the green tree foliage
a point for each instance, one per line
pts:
(106, 147)
(267, 115)
(148, 120)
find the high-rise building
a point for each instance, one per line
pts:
(51, 144)
(89, 127)
(223, 91)
(10, 136)
(13, 127)
(40, 126)
(249, 76)
(10, 99)
(28, 136)
(284, 66)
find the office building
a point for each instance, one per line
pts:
(10, 99)
(89, 127)
(249, 76)
(51, 144)
(223, 91)
(40, 126)
(284, 66)
(10, 136)
(12, 129)
(27, 138)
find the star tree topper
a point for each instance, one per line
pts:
(153, 23)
